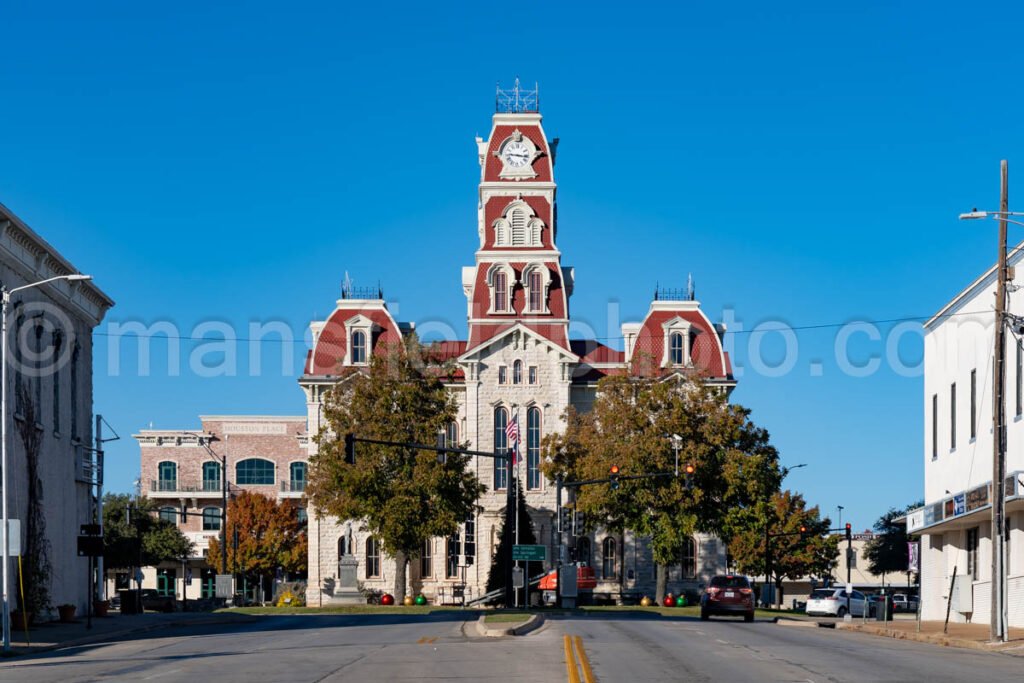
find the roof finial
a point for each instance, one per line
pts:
(691, 291)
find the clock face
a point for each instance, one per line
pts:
(516, 154)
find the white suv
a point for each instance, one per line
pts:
(833, 602)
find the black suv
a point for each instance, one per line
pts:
(730, 595)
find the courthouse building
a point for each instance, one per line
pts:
(517, 361)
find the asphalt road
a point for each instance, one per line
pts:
(445, 646)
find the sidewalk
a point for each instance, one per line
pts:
(53, 635)
(973, 636)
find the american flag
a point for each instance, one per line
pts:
(512, 435)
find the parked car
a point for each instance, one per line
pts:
(832, 602)
(728, 595)
(152, 599)
(904, 603)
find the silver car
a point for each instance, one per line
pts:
(833, 602)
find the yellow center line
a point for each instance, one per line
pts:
(588, 673)
(570, 660)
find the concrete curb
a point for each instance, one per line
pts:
(803, 623)
(932, 638)
(121, 633)
(531, 624)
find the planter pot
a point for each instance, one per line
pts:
(100, 607)
(67, 613)
(20, 621)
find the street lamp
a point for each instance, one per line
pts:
(5, 300)
(999, 613)
(223, 460)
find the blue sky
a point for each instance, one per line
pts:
(231, 161)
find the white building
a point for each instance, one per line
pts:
(955, 523)
(517, 361)
(49, 420)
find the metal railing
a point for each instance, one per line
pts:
(293, 485)
(175, 486)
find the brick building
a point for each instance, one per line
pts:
(181, 470)
(517, 362)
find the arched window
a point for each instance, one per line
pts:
(254, 472)
(583, 550)
(500, 446)
(297, 476)
(608, 557)
(427, 559)
(451, 434)
(167, 476)
(211, 519)
(533, 448)
(517, 372)
(169, 514)
(676, 348)
(358, 347)
(451, 563)
(688, 559)
(535, 283)
(211, 476)
(500, 292)
(372, 558)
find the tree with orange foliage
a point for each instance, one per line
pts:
(271, 535)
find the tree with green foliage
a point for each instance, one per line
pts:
(794, 555)
(886, 553)
(503, 555)
(402, 496)
(638, 424)
(126, 521)
(271, 536)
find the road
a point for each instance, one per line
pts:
(445, 646)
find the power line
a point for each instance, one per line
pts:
(795, 328)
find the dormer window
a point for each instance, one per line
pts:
(359, 348)
(500, 292)
(501, 280)
(675, 348)
(360, 331)
(518, 226)
(537, 278)
(677, 343)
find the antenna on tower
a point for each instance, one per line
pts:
(691, 291)
(346, 287)
(517, 100)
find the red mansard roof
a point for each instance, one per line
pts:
(706, 351)
(591, 351)
(532, 130)
(332, 343)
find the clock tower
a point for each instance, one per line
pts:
(518, 277)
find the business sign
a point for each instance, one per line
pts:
(915, 520)
(977, 497)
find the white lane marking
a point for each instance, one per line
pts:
(723, 642)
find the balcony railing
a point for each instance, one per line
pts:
(293, 485)
(175, 486)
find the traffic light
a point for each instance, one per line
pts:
(613, 477)
(442, 456)
(350, 449)
(577, 524)
(564, 518)
(803, 531)
(688, 471)
(849, 531)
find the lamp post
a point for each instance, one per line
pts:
(5, 300)
(223, 460)
(998, 621)
(768, 536)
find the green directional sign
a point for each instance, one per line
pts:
(529, 553)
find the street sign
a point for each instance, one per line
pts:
(14, 537)
(517, 577)
(529, 553)
(223, 587)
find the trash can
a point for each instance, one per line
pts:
(883, 608)
(131, 601)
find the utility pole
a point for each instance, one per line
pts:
(998, 623)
